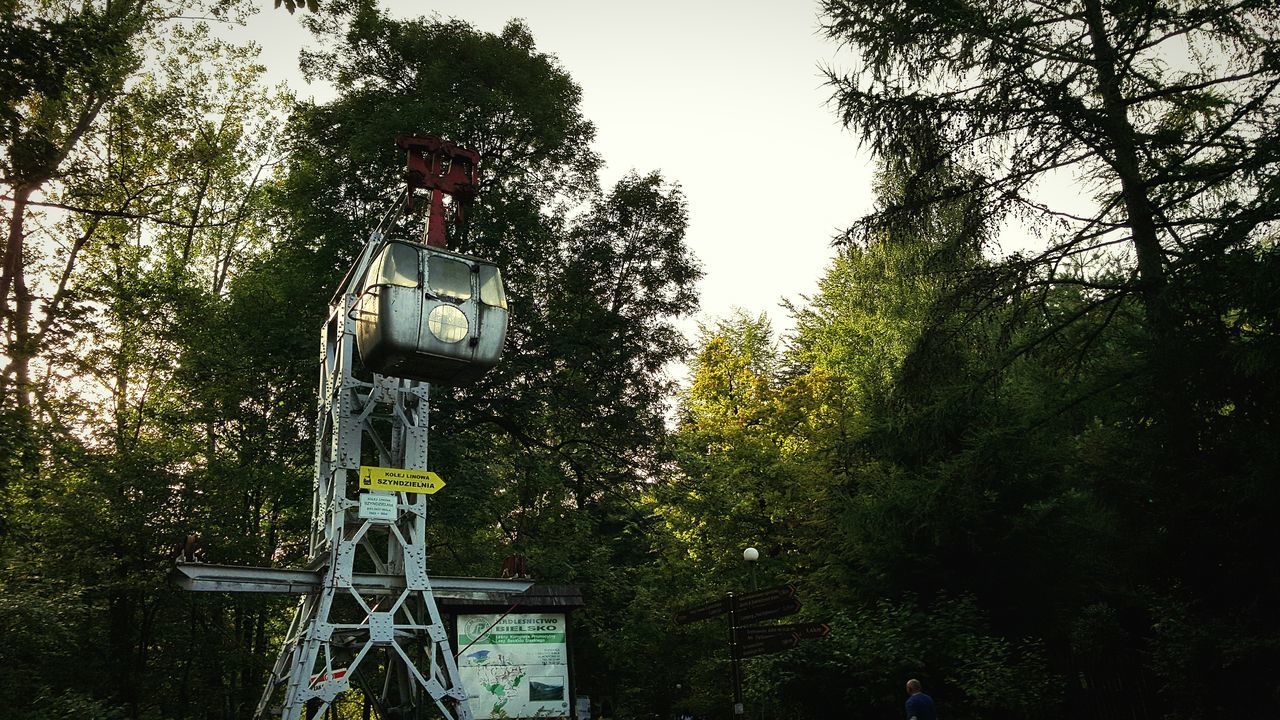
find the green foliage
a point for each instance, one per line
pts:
(997, 470)
(1001, 464)
(859, 671)
(1026, 479)
(163, 200)
(49, 704)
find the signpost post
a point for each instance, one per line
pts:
(754, 640)
(735, 670)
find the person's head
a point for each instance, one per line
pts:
(913, 686)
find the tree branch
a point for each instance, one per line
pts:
(97, 213)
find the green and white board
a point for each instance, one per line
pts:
(515, 666)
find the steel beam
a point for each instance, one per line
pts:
(208, 577)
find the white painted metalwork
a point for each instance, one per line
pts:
(373, 615)
(368, 617)
(209, 577)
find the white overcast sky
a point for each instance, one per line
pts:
(724, 97)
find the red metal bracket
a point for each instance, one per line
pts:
(442, 168)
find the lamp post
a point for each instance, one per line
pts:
(750, 556)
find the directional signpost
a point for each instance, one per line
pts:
(759, 605)
(703, 612)
(754, 640)
(803, 631)
(767, 596)
(765, 646)
(780, 608)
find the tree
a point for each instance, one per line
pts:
(1121, 346)
(65, 67)
(794, 452)
(731, 465)
(734, 482)
(1161, 111)
(164, 203)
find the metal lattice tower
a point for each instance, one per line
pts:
(339, 633)
(368, 618)
(341, 637)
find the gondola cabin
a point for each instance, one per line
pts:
(430, 314)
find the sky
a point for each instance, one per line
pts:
(724, 97)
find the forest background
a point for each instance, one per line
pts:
(1043, 482)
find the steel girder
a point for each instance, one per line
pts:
(345, 633)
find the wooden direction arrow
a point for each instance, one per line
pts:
(803, 631)
(767, 596)
(774, 644)
(703, 612)
(780, 608)
(774, 602)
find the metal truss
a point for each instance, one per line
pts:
(388, 640)
(207, 577)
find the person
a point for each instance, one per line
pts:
(919, 705)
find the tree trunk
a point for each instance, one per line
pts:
(16, 379)
(120, 646)
(14, 243)
(1133, 188)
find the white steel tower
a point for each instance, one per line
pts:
(408, 313)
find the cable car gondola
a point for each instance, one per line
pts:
(430, 314)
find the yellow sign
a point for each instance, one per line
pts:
(399, 479)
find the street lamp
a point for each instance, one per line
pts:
(750, 556)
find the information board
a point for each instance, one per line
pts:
(515, 666)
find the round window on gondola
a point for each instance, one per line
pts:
(449, 278)
(447, 323)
